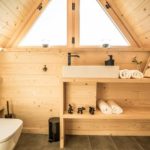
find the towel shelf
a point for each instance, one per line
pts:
(129, 113)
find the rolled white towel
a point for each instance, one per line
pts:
(125, 74)
(136, 74)
(104, 107)
(116, 109)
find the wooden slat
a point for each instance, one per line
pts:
(69, 23)
(77, 23)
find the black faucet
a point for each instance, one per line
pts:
(69, 57)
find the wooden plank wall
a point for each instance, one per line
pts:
(35, 95)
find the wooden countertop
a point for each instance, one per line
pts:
(107, 80)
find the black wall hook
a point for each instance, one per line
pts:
(45, 68)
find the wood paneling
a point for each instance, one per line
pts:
(108, 127)
(81, 94)
(12, 15)
(36, 95)
(137, 15)
(128, 95)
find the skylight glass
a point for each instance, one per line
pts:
(50, 28)
(97, 28)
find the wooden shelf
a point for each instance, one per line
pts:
(128, 114)
(107, 80)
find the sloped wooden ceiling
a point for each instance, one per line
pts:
(135, 12)
(137, 15)
(12, 15)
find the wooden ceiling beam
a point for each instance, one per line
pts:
(73, 23)
(118, 18)
(65, 49)
(23, 28)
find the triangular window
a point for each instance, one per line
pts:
(96, 26)
(50, 29)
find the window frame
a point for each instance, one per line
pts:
(73, 27)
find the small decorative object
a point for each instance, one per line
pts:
(91, 110)
(45, 68)
(138, 63)
(80, 110)
(110, 61)
(106, 45)
(70, 109)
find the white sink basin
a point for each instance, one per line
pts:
(90, 71)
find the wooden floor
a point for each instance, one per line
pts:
(39, 142)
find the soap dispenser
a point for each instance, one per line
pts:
(110, 62)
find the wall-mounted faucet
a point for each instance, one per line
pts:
(69, 57)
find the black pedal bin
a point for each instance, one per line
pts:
(54, 129)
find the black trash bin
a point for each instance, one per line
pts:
(54, 129)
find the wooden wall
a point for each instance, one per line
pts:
(35, 95)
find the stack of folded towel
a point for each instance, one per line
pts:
(109, 107)
(127, 74)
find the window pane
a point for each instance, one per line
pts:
(96, 27)
(51, 26)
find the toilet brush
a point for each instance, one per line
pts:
(8, 115)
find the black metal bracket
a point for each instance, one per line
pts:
(73, 6)
(107, 5)
(73, 40)
(40, 6)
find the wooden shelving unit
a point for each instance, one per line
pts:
(130, 113)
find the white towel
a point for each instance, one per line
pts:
(116, 109)
(136, 74)
(125, 74)
(104, 107)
